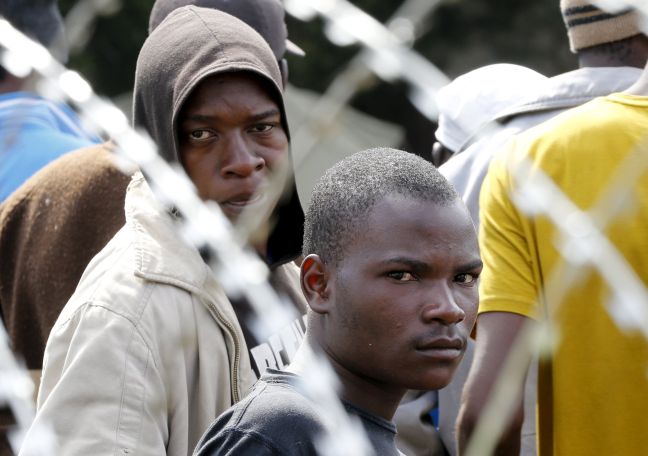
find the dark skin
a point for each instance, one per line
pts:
(395, 313)
(231, 137)
(631, 52)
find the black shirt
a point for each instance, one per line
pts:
(276, 419)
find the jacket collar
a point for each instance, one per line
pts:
(574, 88)
(161, 254)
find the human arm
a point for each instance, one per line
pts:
(496, 336)
(100, 388)
(509, 287)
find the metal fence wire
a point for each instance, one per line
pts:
(386, 53)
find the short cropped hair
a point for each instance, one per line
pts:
(347, 192)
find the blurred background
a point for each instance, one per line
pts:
(458, 36)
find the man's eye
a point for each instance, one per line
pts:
(465, 278)
(402, 276)
(200, 134)
(262, 128)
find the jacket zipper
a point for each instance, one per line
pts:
(237, 348)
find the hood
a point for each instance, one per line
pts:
(190, 45)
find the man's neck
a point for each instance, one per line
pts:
(357, 390)
(594, 60)
(631, 52)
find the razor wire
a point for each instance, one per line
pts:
(582, 240)
(388, 56)
(80, 20)
(386, 53)
(203, 226)
(581, 243)
(402, 29)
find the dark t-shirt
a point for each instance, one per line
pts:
(276, 419)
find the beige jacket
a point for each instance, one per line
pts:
(148, 351)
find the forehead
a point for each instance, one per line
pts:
(405, 227)
(230, 90)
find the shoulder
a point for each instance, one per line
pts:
(90, 169)
(69, 179)
(273, 417)
(580, 133)
(273, 405)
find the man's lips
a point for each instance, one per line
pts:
(442, 348)
(238, 203)
(243, 200)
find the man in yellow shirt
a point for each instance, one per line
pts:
(593, 389)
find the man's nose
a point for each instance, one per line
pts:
(240, 159)
(442, 306)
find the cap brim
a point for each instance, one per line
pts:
(294, 49)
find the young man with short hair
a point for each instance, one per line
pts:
(390, 276)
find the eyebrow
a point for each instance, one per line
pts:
(415, 264)
(472, 265)
(420, 265)
(265, 115)
(253, 118)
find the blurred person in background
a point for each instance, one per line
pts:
(474, 107)
(611, 52)
(34, 130)
(592, 388)
(149, 349)
(473, 100)
(470, 109)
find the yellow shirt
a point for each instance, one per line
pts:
(593, 394)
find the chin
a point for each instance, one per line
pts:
(435, 380)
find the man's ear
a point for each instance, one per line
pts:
(314, 283)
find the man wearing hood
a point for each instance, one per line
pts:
(60, 218)
(149, 349)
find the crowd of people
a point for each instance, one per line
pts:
(414, 283)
